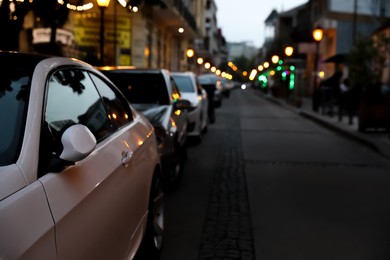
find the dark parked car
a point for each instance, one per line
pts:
(213, 86)
(154, 93)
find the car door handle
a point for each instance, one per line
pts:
(126, 158)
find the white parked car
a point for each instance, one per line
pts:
(79, 167)
(191, 90)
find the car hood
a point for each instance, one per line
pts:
(157, 115)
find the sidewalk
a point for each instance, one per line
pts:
(378, 141)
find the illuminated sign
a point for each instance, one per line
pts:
(42, 35)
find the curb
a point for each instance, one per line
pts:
(339, 129)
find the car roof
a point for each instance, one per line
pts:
(209, 75)
(29, 61)
(188, 73)
(22, 60)
(130, 69)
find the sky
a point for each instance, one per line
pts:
(245, 22)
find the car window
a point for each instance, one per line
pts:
(14, 92)
(116, 104)
(175, 91)
(141, 88)
(73, 99)
(184, 83)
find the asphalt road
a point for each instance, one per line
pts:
(268, 184)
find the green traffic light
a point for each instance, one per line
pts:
(292, 82)
(264, 81)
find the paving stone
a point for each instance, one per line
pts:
(227, 232)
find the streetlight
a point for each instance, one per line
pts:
(190, 54)
(103, 4)
(275, 59)
(289, 51)
(317, 33)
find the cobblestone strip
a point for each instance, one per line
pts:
(227, 233)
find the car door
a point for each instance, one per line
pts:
(26, 224)
(98, 203)
(202, 95)
(180, 117)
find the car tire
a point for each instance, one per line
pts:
(176, 170)
(212, 118)
(197, 139)
(183, 154)
(151, 245)
(205, 129)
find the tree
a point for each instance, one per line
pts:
(11, 20)
(54, 15)
(366, 60)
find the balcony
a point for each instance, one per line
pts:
(174, 14)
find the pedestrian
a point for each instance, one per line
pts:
(345, 100)
(330, 90)
(344, 86)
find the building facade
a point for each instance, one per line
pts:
(343, 24)
(155, 34)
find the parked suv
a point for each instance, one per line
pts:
(154, 93)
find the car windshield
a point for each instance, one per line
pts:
(184, 83)
(141, 88)
(14, 93)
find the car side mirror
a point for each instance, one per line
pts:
(78, 143)
(182, 104)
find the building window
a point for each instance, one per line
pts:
(208, 5)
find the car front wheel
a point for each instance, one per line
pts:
(153, 240)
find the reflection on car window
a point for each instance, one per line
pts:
(141, 88)
(118, 107)
(14, 91)
(184, 83)
(73, 99)
(175, 91)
